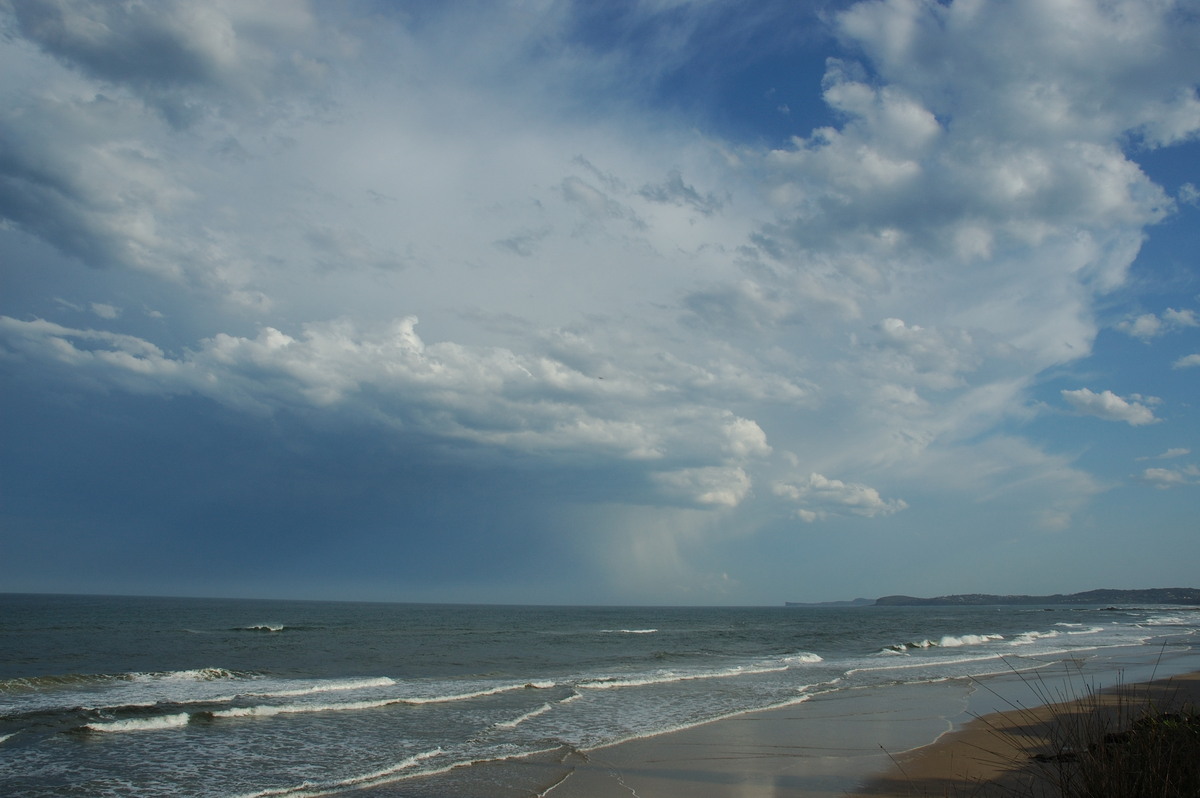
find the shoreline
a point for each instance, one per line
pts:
(812, 749)
(843, 743)
(998, 753)
(899, 741)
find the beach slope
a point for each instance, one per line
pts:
(1031, 751)
(854, 745)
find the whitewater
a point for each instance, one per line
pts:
(109, 696)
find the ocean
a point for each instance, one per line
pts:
(136, 696)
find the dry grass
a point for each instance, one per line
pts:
(1075, 741)
(1134, 741)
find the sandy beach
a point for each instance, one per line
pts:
(858, 745)
(994, 754)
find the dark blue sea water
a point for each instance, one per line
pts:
(112, 696)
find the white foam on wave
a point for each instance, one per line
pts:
(118, 692)
(804, 658)
(310, 789)
(904, 648)
(790, 701)
(141, 724)
(269, 710)
(1029, 638)
(952, 641)
(924, 662)
(332, 686)
(5, 737)
(193, 675)
(1174, 619)
(947, 641)
(531, 714)
(666, 677)
(629, 631)
(507, 688)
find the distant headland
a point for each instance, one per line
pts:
(1162, 595)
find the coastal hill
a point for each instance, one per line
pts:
(1165, 595)
(858, 602)
(1162, 595)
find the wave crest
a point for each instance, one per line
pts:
(141, 724)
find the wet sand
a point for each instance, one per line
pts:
(944, 739)
(817, 749)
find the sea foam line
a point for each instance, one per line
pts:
(614, 682)
(311, 789)
(328, 687)
(802, 697)
(515, 722)
(923, 662)
(439, 699)
(268, 710)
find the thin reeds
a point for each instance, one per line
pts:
(1131, 741)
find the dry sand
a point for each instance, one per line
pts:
(994, 755)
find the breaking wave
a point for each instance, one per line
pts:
(438, 699)
(75, 680)
(269, 710)
(950, 641)
(947, 641)
(141, 724)
(331, 686)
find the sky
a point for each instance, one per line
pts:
(599, 302)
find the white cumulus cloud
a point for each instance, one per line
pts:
(818, 497)
(1187, 362)
(390, 376)
(1110, 407)
(1163, 478)
(1149, 325)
